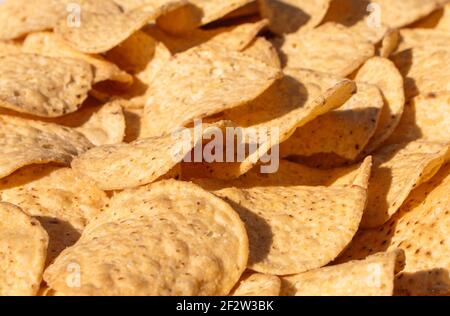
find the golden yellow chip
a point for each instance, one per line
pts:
(23, 245)
(439, 20)
(289, 16)
(171, 229)
(421, 229)
(257, 284)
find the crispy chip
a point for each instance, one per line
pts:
(257, 284)
(199, 12)
(20, 17)
(359, 16)
(43, 86)
(102, 31)
(410, 38)
(293, 101)
(122, 166)
(25, 142)
(10, 48)
(203, 82)
(293, 229)
(289, 16)
(439, 20)
(49, 44)
(236, 37)
(263, 50)
(425, 70)
(62, 201)
(390, 43)
(421, 229)
(23, 245)
(373, 276)
(383, 73)
(398, 169)
(344, 131)
(425, 117)
(330, 48)
(171, 229)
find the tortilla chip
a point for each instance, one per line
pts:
(10, 48)
(398, 169)
(25, 142)
(290, 16)
(410, 38)
(359, 17)
(330, 48)
(399, 13)
(49, 44)
(173, 239)
(426, 117)
(373, 276)
(23, 245)
(425, 70)
(123, 166)
(293, 229)
(263, 50)
(344, 131)
(60, 200)
(202, 82)
(43, 86)
(421, 229)
(236, 37)
(383, 73)
(197, 13)
(257, 284)
(390, 43)
(100, 32)
(439, 20)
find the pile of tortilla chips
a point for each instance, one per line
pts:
(105, 106)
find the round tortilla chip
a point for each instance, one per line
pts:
(44, 86)
(373, 276)
(257, 284)
(289, 16)
(294, 229)
(62, 201)
(25, 142)
(23, 248)
(170, 238)
(383, 73)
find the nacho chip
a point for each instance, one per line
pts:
(421, 229)
(410, 38)
(122, 166)
(49, 44)
(359, 16)
(60, 200)
(399, 13)
(390, 43)
(197, 13)
(173, 239)
(373, 276)
(236, 37)
(21, 17)
(263, 50)
(10, 48)
(293, 101)
(344, 131)
(398, 169)
(43, 86)
(290, 16)
(425, 70)
(23, 245)
(100, 32)
(25, 142)
(293, 229)
(330, 48)
(257, 284)
(439, 20)
(202, 82)
(383, 73)
(426, 117)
